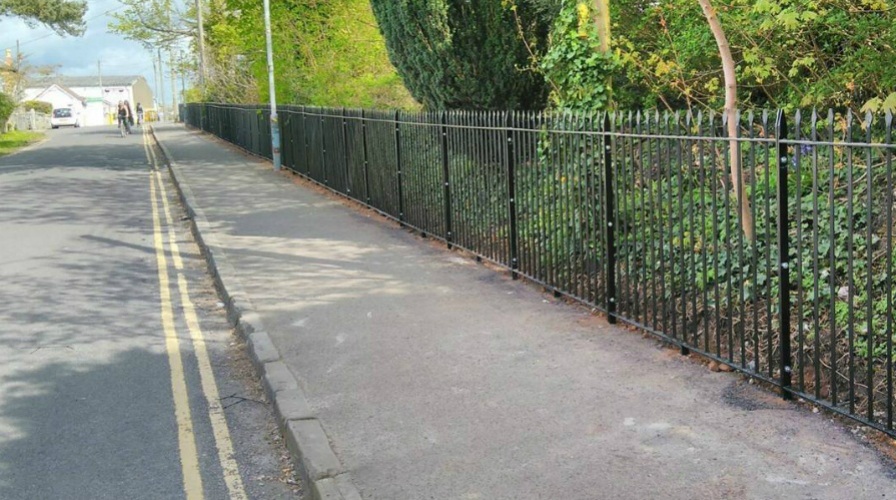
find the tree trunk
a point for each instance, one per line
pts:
(737, 184)
(602, 20)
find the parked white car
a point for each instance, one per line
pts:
(64, 117)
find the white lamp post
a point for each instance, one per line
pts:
(275, 126)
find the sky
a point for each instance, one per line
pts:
(78, 56)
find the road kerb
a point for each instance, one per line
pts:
(306, 440)
(262, 349)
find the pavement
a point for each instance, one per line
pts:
(403, 370)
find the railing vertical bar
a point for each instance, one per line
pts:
(783, 256)
(714, 171)
(581, 183)
(624, 167)
(742, 202)
(523, 186)
(798, 260)
(548, 204)
(492, 175)
(869, 300)
(307, 153)
(683, 173)
(850, 265)
(534, 237)
(500, 199)
(510, 124)
(816, 257)
(704, 262)
(692, 257)
(770, 265)
(446, 180)
(348, 175)
(610, 215)
(832, 262)
(889, 258)
(566, 205)
(730, 216)
(593, 214)
(366, 161)
(398, 165)
(478, 183)
(643, 153)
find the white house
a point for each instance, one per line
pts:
(98, 102)
(61, 97)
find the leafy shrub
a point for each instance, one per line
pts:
(39, 106)
(7, 106)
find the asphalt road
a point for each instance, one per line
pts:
(119, 376)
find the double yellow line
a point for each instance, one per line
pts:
(189, 457)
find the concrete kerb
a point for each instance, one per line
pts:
(308, 444)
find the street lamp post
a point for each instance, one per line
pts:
(275, 126)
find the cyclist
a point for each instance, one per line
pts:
(124, 116)
(130, 113)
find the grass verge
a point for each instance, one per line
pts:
(11, 142)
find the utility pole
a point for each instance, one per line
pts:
(275, 126)
(174, 110)
(201, 45)
(183, 83)
(155, 84)
(161, 83)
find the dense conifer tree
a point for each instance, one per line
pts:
(467, 53)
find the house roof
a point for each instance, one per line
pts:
(85, 81)
(63, 88)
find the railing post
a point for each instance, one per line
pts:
(783, 256)
(305, 141)
(609, 214)
(323, 149)
(511, 195)
(398, 166)
(449, 238)
(364, 143)
(348, 174)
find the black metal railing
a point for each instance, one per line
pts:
(787, 279)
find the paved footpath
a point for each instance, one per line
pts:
(436, 377)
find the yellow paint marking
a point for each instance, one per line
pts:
(223, 442)
(151, 155)
(189, 458)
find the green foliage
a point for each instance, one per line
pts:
(39, 106)
(65, 17)
(789, 54)
(152, 23)
(457, 54)
(577, 70)
(7, 106)
(325, 54)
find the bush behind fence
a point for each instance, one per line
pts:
(635, 215)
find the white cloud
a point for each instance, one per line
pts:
(78, 56)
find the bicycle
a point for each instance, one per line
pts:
(123, 127)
